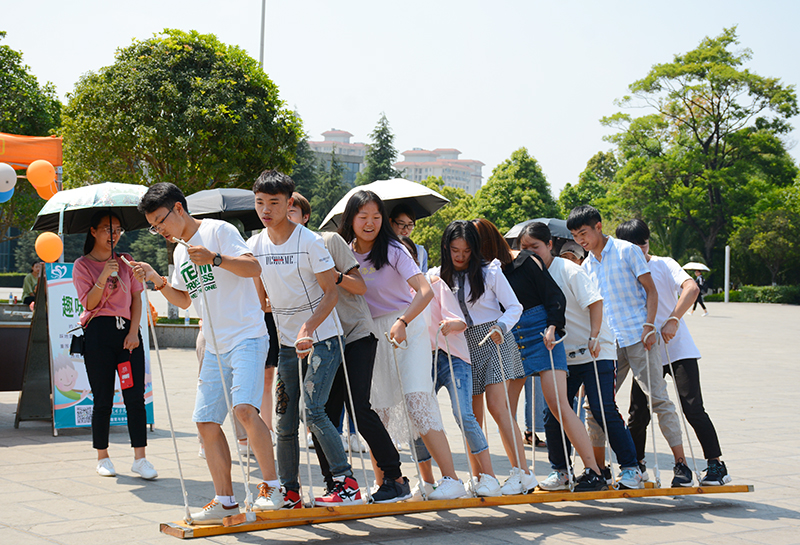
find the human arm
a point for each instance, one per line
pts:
(595, 323)
(327, 281)
(143, 272)
(262, 294)
(646, 280)
(689, 292)
(95, 294)
(498, 283)
(245, 265)
(422, 297)
(132, 338)
(345, 263)
(353, 282)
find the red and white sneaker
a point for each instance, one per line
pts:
(292, 500)
(345, 492)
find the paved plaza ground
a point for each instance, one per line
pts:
(51, 494)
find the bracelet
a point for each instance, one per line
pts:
(339, 280)
(404, 322)
(98, 286)
(164, 285)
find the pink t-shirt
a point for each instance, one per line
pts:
(387, 288)
(445, 307)
(116, 297)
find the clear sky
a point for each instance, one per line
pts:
(484, 77)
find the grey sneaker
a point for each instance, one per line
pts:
(683, 475)
(630, 478)
(557, 480)
(391, 491)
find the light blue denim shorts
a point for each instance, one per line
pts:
(243, 369)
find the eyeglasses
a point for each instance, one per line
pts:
(156, 229)
(404, 226)
(118, 231)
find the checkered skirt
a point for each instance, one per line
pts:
(485, 361)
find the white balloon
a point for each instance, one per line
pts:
(8, 177)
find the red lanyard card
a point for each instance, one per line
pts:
(125, 375)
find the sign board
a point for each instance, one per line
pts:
(72, 397)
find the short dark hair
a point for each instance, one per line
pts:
(537, 230)
(379, 255)
(583, 215)
(411, 247)
(303, 204)
(402, 208)
(161, 194)
(634, 231)
(272, 182)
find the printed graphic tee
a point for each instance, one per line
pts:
(234, 310)
(288, 271)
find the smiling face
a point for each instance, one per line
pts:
(367, 223)
(272, 209)
(106, 235)
(589, 237)
(167, 222)
(533, 244)
(403, 225)
(65, 378)
(460, 254)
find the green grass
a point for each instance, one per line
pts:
(177, 321)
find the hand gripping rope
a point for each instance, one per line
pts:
(458, 400)
(560, 419)
(650, 403)
(678, 395)
(404, 346)
(607, 441)
(302, 407)
(248, 502)
(512, 421)
(187, 517)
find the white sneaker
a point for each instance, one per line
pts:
(105, 468)
(448, 489)
(269, 498)
(345, 444)
(213, 513)
(202, 452)
(487, 486)
(357, 445)
(557, 480)
(416, 494)
(519, 482)
(705, 313)
(310, 441)
(144, 468)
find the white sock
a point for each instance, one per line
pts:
(273, 484)
(227, 501)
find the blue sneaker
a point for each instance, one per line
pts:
(630, 478)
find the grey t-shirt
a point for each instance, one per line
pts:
(352, 309)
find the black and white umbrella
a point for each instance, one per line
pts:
(226, 204)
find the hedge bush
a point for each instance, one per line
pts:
(735, 297)
(788, 295)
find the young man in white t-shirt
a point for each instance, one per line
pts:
(239, 340)
(670, 280)
(300, 280)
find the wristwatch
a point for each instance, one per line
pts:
(217, 261)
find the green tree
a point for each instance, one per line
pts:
(182, 108)
(428, 231)
(516, 191)
(381, 155)
(330, 190)
(28, 108)
(717, 126)
(593, 184)
(150, 249)
(773, 237)
(306, 173)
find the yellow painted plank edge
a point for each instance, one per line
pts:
(315, 515)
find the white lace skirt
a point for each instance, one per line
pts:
(416, 367)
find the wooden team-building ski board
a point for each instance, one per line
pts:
(317, 515)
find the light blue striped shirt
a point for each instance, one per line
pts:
(624, 298)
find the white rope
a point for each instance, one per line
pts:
(301, 407)
(404, 346)
(531, 410)
(650, 403)
(458, 400)
(578, 407)
(607, 440)
(248, 502)
(678, 394)
(187, 517)
(560, 419)
(512, 421)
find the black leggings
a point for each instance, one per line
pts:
(103, 353)
(687, 378)
(699, 301)
(360, 357)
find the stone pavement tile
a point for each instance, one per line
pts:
(13, 536)
(777, 536)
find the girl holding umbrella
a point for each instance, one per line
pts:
(112, 305)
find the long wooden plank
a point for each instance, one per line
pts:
(315, 515)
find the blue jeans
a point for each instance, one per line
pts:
(318, 375)
(618, 434)
(463, 389)
(538, 409)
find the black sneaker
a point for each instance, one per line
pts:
(607, 475)
(683, 475)
(391, 491)
(590, 482)
(716, 474)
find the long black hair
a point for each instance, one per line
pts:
(467, 231)
(88, 246)
(379, 255)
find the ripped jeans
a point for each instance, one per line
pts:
(318, 375)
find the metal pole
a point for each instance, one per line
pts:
(727, 273)
(263, 24)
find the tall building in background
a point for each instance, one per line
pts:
(350, 155)
(418, 164)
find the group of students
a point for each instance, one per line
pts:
(359, 325)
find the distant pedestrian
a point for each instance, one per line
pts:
(701, 283)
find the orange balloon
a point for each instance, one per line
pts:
(41, 173)
(49, 247)
(47, 191)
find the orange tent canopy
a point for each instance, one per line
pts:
(20, 151)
